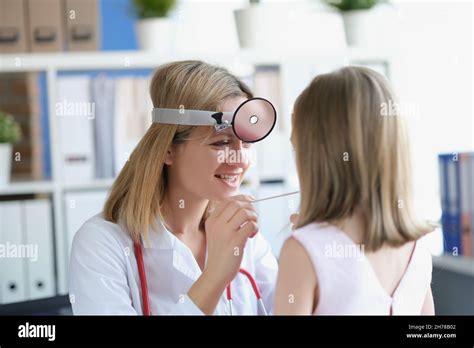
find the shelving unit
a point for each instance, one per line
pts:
(18, 188)
(54, 63)
(137, 59)
(23, 187)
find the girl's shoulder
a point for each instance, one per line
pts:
(318, 232)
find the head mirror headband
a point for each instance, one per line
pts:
(252, 121)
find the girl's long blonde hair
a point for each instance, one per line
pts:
(351, 156)
(136, 197)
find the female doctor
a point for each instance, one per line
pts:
(173, 234)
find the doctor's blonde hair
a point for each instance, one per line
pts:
(351, 157)
(136, 196)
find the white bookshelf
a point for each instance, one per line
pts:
(54, 63)
(95, 184)
(25, 187)
(76, 61)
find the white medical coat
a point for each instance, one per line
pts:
(103, 273)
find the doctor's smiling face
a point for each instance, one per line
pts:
(201, 165)
(181, 162)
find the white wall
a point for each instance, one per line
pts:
(433, 70)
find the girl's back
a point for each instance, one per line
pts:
(388, 281)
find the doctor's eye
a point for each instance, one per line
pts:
(221, 143)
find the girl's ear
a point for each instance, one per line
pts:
(168, 158)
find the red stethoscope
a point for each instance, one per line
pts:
(146, 299)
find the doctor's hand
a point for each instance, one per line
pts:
(230, 223)
(228, 226)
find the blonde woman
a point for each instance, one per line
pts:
(355, 249)
(155, 222)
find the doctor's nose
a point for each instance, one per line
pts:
(239, 155)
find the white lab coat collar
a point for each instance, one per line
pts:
(160, 239)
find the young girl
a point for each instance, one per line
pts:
(355, 249)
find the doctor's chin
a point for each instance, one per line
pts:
(299, 164)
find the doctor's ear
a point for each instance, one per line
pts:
(168, 157)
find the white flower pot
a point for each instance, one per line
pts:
(359, 26)
(155, 34)
(273, 29)
(5, 163)
(249, 26)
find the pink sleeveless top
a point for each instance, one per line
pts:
(347, 282)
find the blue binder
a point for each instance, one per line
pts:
(450, 203)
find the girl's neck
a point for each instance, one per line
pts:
(352, 226)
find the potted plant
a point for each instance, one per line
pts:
(154, 28)
(358, 16)
(10, 133)
(248, 22)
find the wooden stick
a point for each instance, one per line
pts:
(277, 196)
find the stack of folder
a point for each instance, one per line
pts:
(457, 202)
(26, 251)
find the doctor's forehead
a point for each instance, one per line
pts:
(232, 103)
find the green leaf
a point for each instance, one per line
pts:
(350, 5)
(153, 8)
(10, 131)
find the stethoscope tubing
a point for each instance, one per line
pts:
(144, 285)
(143, 281)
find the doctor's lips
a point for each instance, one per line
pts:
(231, 179)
